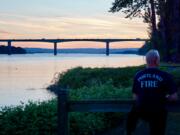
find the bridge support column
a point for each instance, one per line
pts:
(55, 48)
(9, 48)
(107, 48)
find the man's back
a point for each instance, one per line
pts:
(151, 88)
(152, 85)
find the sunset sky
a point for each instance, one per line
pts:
(66, 19)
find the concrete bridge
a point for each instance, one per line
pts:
(56, 41)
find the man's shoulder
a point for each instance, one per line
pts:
(166, 74)
(141, 71)
(153, 71)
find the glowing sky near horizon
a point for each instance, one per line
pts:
(66, 19)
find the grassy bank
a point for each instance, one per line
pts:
(83, 84)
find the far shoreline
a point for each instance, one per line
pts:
(83, 50)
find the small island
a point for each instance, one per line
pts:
(14, 50)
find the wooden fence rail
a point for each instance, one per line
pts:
(65, 106)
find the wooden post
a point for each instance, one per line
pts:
(9, 48)
(107, 48)
(62, 112)
(55, 48)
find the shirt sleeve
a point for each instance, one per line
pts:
(172, 88)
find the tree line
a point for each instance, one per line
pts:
(163, 17)
(14, 50)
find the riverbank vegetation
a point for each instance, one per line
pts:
(83, 84)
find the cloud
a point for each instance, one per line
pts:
(73, 26)
(5, 32)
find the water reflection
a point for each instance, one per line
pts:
(25, 77)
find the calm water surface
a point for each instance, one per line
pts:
(25, 77)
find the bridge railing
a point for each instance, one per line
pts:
(65, 106)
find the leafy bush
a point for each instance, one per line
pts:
(79, 77)
(102, 92)
(176, 76)
(30, 119)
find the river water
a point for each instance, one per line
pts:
(25, 78)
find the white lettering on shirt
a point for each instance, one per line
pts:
(149, 84)
(150, 76)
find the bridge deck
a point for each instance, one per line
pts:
(70, 40)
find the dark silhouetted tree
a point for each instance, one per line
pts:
(139, 8)
(166, 13)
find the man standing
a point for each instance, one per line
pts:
(152, 88)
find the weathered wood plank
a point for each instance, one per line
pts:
(110, 106)
(63, 113)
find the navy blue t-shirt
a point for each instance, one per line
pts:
(152, 86)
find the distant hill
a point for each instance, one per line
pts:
(84, 50)
(14, 50)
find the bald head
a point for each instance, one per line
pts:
(152, 58)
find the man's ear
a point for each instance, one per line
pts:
(157, 62)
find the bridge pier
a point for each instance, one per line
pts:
(107, 48)
(9, 48)
(55, 48)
